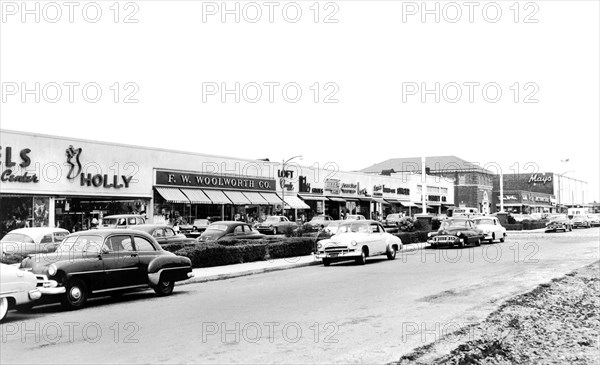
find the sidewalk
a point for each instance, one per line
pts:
(204, 274)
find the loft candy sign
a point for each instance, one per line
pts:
(214, 181)
(540, 178)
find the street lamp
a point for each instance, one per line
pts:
(559, 188)
(282, 181)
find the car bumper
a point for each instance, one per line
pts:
(450, 240)
(340, 255)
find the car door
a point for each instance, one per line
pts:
(377, 238)
(121, 262)
(159, 236)
(171, 236)
(146, 252)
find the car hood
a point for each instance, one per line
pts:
(343, 239)
(452, 230)
(37, 264)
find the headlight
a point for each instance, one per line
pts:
(52, 270)
(458, 233)
(487, 232)
(354, 243)
(319, 246)
(429, 234)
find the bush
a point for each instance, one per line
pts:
(300, 246)
(213, 254)
(406, 224)
(510, 219)
(537, 224)
(435, 224)
(514, 227)
(11, 259)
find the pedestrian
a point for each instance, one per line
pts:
(176, 227)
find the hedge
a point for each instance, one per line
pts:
(11, 259)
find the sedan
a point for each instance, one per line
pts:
(594, 219)
(229, 229)
(276, 224)
(318, 222)
(456, 231)
(559, 223)
(393, 219)
(581, 220)
(491, 227)
(164, 234)
(24, 241)
(357, 240)
(18, 288)
(106, 262)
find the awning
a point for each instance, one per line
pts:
(408, 204)
(421, 204)
(217, 196)
(434, 204)
(237, 197)
(365, 198)
(392, 200)
(196, 196)
(336, 199)
(512, 204)
(380, 200)
(172, 195)
(448, 204)
(312, 197)
(271, 198)
(293, 202)
(350, 198)
(255, 198)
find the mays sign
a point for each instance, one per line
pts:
(214, 181)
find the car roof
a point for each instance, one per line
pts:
(362, 221)
(123, 216)
(149, 227)
(37, 232)
(107, 232)
(229, 223)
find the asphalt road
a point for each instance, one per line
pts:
(339, 314)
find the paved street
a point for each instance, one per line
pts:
(339, 314)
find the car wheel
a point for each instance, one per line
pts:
(75, 296)
(164, 288)
(391, 254)
(3, 308)
(493, 238)
(326, 262)
(478, 242)
(362, 259)
(502, 238)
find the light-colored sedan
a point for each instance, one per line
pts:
(357, 240)
(24, 241)
(491, 227)
(18, 288)
(594, 219)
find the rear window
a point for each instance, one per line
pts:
(17, 237)
(217, 227)
(109, 221)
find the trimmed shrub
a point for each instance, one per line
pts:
(299, 246)
(11, 259)
(406, 224)
(537, 224)
(510, 219)
(514, 227)
(213, 254)
(435, 224)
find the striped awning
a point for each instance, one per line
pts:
(196, 196)
(237, 197)
(381, 201)
(350, 198)
(336, 199)
(272, 198)
(312, 197)
(293, 202)
(392, 200)
(172, 195)
(217, 196)
(408, 204)
(255, 198)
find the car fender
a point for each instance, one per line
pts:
(167, 263)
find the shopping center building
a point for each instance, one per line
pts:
(67, 182)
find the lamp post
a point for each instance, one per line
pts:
(559, 187)
(282, 181)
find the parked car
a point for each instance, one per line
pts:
(491, 227)
(521, 217)
(458, 231)
(318, 222)
(121, 221)
(229, 229)
(464, 212)
(275, 224)
(560, 222)
(594, 219)
(198, 226)
(24, 241)
(581, 220)
(393, 219)
(354, 217)
(18, 288)
(106, 262)
(357, 240)
(163, 234)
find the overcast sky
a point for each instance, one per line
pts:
(369, 59)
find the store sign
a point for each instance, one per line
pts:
(97, 180)
(540, 179)
(349, 188)
(316, 190)
(332, 186)
(286, 185)
(214, 181)
(285, 174)
(303, 186)
(542, 199)
(9, 174)
(403, 191)
(378, 190)
(511, 197)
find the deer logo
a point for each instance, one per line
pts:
(74, 170)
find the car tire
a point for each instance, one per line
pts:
(391, 254)
(503, 238)
(326, 262)
(478, 242)
(3, 308)
(164, 287)
(493, 238)
(75, 295)
(362, 259)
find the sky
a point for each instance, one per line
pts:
(348, 82)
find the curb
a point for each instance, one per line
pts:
(204, 279)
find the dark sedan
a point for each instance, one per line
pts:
(164, 234)
(106, 262)
(557, 223)
(318, 222)
(229, 229)
(456, 231)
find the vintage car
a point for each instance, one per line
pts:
(354, 217)
(19, 288)
(559, 222)
(393, 219)
(318, 222)
(164, 234)
(491, 227)
(357, 240)
(24, 241)
(594, 219)
(105, 262)
(581, 220)
(229, 229)
(521, 217)
(276, 224)
(459, 231)
(121, 221)
(195, 228)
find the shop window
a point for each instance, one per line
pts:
(142, 244)
(47, 238)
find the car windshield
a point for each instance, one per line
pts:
(578, 219)
(484, 221)
(201, 222)
(89, 243)
(455, 224)
(217, 227)
(393, 216)
(355, 227)
(321, 218)
(272, 219)
(17, 237)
